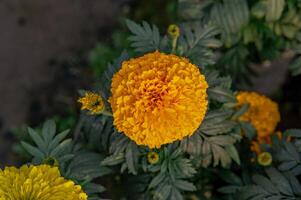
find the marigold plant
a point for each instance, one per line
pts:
(164, 124)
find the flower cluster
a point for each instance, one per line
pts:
(37, 183)
(158, 98)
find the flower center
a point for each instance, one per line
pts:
(153, 94)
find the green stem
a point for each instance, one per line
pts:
(107, 113)
(174, 44)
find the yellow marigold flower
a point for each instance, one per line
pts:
(41, 182)
(92, 102)
(158, 99)
(173, 30)
(265, 159)
(152, 157)
(263, 113)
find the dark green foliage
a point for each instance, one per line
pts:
(145, 38)
(275, 185)
(251, 31)
(106, 79)
(75, 164)
(48, 145)
(196, 41)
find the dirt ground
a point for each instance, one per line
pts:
(43, 46)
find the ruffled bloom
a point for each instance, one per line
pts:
(158, 99)
(263, 113)
(92, 102)
(37, 183)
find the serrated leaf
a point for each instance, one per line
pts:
(184, 185)
(48, 130)
(131, 157)
(156, 180)
(221, 95)
(145, 38)
(233, 153)
(113, 159)
(37, 139)
(61, 147)
(33, 150)
(57, 139)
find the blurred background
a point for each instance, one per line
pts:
(52, 48)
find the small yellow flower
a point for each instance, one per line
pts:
(263, 113)
(173, 30)
(152, 157)
(158, 99)
(265, 159)
(41, 182)
(92, 102)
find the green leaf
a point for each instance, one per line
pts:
(274, 9)
(230, 16)
(131, 156)
(222, 140)
(240, 111)
(175, 194)
(197, 41)
(279, 181)
(156, 180)
(220, 155)
(184, 185)
(217, 128)
(59, 150)
(33, 150)
(37, 139)
(232, 151)
(145, 38)
(248, 130)
(48, 130)
(113, 159)
(221, 95)
(106, 78)
(265, 183)
(57, 139)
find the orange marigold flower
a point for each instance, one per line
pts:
(158, 99)
(263, 113)
(92, 102)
